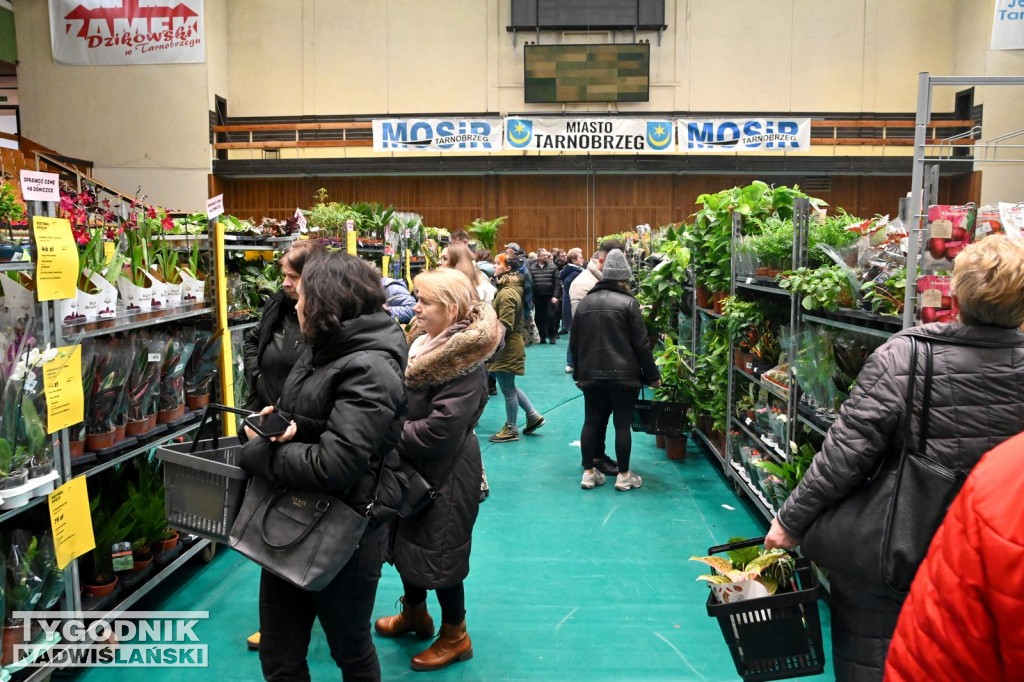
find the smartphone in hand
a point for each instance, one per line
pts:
(267, 425)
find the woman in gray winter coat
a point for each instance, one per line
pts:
(452, 335)
(976, 402)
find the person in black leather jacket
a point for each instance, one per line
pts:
(612, 360)
(275, 343)
(346, 401)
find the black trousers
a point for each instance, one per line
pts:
(343, 607)
(544, 316)
(600, 403)
(452, 600)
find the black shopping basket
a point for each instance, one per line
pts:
(660, 418)
(204, 487)
(776, 637)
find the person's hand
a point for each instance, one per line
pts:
(655, 384)
(779, 537)
(554, 300)
(287, 435)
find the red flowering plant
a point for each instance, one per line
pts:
(92, 222)
(142, 224)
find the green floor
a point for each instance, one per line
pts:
(566, 584)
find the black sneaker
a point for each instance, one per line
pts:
(606, 466)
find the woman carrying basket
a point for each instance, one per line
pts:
(452, 335)
(976, 402)
(345, 398)
(612, 361)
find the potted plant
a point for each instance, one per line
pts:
(109, 528)
(677, 396)
(165, 269)
(202, 368)
(747, 573)
(176, 354)
(111, 366)
(486, 232)
(826, 288)
(143, 389)
(788, 473)
(661, 289)
(148, 513)
(11, 211)
(23, 439)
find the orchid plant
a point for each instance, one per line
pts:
(22, 422)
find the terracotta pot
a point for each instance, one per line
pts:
(659, 440)
(142, 559)
(152, 421)
(137, 428)
(14, 635)
(675, 447)
(77, 448)
(703, 297)
(99, 441)
(100, 590)
(119, 433)
(716, 301)
(197, 402)
(165, 545)
(164, 416)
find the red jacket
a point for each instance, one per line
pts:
(964, 618)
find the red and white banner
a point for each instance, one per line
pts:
(119, 32)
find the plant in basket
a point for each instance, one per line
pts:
(747, 572)
(202, 368)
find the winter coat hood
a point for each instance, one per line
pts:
(366, 332)
(470, 342)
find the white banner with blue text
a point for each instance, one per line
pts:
(732, 135)
(437, 135)
(125, 32)
(1008, 25)
(590, 135)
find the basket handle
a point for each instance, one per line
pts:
(736, 545)
(208, 412)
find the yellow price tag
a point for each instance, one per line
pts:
(62, 384)
(385, 266)
(70, 521)
(352, 242)
(108, 250)
(57, 267)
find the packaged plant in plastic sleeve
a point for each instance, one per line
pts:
(1012, 218)
(950, 229)
(934, 299)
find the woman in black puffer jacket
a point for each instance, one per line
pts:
(451, 337)
(346, 400)
(976, 402)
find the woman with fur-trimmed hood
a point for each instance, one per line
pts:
(451, 337)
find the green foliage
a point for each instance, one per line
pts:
(10, 210)
(145, 504)
(486, 231)
(791, 471)
(771, 568)
(832, 232)
(661, 288)
(108, 528)
(711, 374)
(772, 242)
(887, 298)
(676, 380)
(826, 288)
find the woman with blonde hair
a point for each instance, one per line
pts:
(968, 397)
(461, 258)
(452, 335)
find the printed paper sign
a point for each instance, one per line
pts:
(1008, 25)
(57, 268)
(732, 135)
(591, 135)
(118, 32)
(71, 521)
(436, 135)
(65, 401)
(38, 186)
(215, 207)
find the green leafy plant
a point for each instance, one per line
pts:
(486, 231)
(771, 568)
(826, 288)
(790, 472)
(11, 211)
(676, 379)
(772, 246)
(886, 298)
(661, 288)
(109, 528)
(146, 505)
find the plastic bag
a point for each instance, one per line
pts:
(935, 304)
(950, 229)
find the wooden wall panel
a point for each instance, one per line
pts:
(552, 210)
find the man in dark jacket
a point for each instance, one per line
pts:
(572, 268)
(546, 295)
(613, 360)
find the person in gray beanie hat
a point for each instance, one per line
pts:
(612, 360)
(616, 267)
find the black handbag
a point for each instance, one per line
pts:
(304, 537)
(421, 492)
(881, 533)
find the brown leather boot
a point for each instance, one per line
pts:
(411, 619)
(452, 645)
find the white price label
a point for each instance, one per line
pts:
(156, 357)
(932, 298)
(941, 229)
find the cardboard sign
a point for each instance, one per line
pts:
(57, 269)
(38, 186)
(71, 521)
(215, 207)
(62, 385)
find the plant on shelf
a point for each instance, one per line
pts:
(23, 439)
(178, 348)
(661, 288)
(373, 219)
(330, 217)
(832, 232)
(886, 297)
(790, 472)
(202, 368)
(816, 371)
(143, 387)
(826, 288)
(771, 245)
(111, 367)
(771, 568)
(109, 528)
(148, 510)
(11, 211)
(711, 374)
(486, 232)
(676, 379)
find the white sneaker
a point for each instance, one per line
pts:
(590, 481)
(627, 481)
(568, 369)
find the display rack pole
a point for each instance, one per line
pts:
(227, 373)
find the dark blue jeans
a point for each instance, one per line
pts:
(344, 608)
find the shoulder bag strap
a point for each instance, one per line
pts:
(908, 410)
